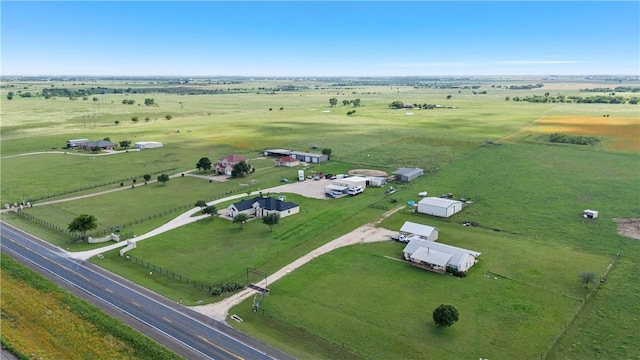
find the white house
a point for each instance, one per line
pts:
(147, 145)
(263, 206)
(439, 207)
(437, 257)
(425, 232)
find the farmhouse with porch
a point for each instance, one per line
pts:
(438, 257)
(263, 206)
(224, 166)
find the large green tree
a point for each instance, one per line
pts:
(396, 105)
(240, 168)
(83, 223)
(327, 151)
(125, 144)
(204, 164)
(163, 178)
(241, 218)
(333, 102)
(271, 220)
(210, 210)
(445, 315)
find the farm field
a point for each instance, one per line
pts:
(522, 299)
(39, 320)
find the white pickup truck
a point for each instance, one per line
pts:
(400, 238)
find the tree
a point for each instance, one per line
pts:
(125, 144)
(396, 105)
(204, 164)
(271, 220)
(333, 102)
(327, 151)
(10, 95)
(448, 97)
(240, 168)
(168, 117)
(149, 102)
(586, 277)
(201, 204)
(241, 218)
(445, 315)
(351, 112)
(83, 223)
(355, 102)
(211, 210)
(163, 178)
(116, 122)
(95, 149)
(135, 119)
(146, 177)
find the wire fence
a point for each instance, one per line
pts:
(166, 272)
(116, 229)
(580, 307)
(94, 186)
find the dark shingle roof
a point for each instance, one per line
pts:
(268, 203)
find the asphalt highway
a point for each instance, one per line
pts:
(186, 332)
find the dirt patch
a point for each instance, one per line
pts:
(628, 227)
(367, 172)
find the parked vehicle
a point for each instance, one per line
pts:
(400, 238)
(356, 190)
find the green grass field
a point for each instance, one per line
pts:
(522, 300)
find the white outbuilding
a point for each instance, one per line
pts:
(351, 182)
(424, 232)
(439, 207)
(147, 145)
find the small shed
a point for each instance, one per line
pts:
(425, 232)
(590, 214)
(376, 181)
(407, 174)
(147, 145)
(439, 207)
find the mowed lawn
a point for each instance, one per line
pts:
(211, 251)
(360, 293)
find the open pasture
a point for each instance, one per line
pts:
(527, 198)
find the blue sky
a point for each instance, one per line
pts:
(318, 38)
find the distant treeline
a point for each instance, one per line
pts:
(48, 93)
(573, 139)
(597, 99)
(616, 89)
